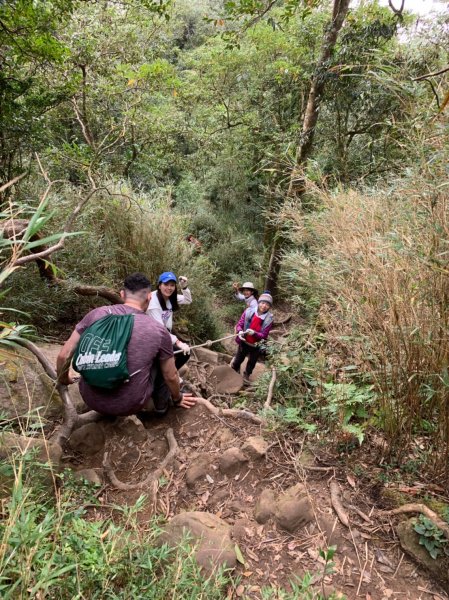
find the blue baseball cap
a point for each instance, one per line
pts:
(166, 277)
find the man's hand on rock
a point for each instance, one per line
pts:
(188, 400)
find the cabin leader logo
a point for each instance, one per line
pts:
(95, 353)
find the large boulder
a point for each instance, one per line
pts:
(198, 470)
(13, 446)
(293, 509)
(255, 447)
(88, 439)
(232, 461)
(205, 355)
(226, 380)
(46, 452)
(27, 386)
(409, 540)
(208, 533)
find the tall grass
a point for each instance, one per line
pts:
(378, 275)
(50, 547)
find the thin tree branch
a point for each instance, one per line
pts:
(431, 74)
(397, 11)
(8, 184)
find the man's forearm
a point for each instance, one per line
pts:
(171, 377)
(64, 358)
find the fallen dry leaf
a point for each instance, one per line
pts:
(385, 569)
(247, 573)
(205, 497)
(383, 558)
(240, 590)
(252, 555)
(351, 481)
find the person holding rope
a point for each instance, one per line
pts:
(253, 327)
(164, 303)
(246, 293)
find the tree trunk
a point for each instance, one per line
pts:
(305, 143)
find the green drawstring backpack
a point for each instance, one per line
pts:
(101, 355)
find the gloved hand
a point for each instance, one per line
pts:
(241, 335)
(183, 282)
(250, 332)
(183, 346)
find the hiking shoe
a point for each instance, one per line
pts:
(231, 364)
(246, 379)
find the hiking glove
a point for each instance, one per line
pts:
(183, 282)
(184, 347)
(249, 332)
(241, 335)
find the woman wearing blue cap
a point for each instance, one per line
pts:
(163, 304)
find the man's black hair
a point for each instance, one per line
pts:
(136, 282)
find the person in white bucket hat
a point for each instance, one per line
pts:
(246, 293)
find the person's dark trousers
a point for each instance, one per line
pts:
(244, 351)
(180, 358)
(161, 394)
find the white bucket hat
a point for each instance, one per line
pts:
(248, 285)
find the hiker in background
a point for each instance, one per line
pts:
(150, 359)
(247, 293)
(164, 303)
(253, 327)
(194, 243)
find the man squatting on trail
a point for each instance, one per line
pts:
(150, 358)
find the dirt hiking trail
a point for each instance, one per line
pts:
(264, 501)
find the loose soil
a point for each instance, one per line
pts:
(368, 561)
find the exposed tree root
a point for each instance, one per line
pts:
(71, 418)
(270, 388)
(231, 412)
(336, 503)
(423, 509)
(150, 483)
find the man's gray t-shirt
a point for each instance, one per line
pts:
(149, 341)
